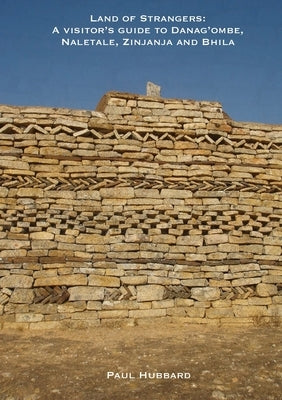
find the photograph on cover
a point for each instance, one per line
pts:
(140, 200)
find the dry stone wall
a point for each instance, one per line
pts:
(145, 208)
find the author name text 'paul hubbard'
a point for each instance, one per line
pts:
(148, 375)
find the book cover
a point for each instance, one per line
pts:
(140, 221)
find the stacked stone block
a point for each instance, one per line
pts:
(145, 208)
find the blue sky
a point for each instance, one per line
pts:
(35, 69)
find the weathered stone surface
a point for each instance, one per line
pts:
(29, 317)
(162, 238)
(22, 296)
(246, 281)
(117, 193)
(72, 307)
(30, 192)
(94, 305)
(219, 312)
(42, 236)
(120, 247)
(47, 325)
(273, 250)
(134, 280)
(16, 281)
(63, 280)
(117, 110)
(259, 301)
(222, 303)
(244, 267)
(150, 293)
(176, 194)
(85, 238)
(88, 195)
(163, 280)
(249, 311)
(153, 90)
(152, 313)
(13, 164)
(265, 290)
(13, 244)
(191, 240)
(86, 293)
(148, 193)
(104, 314)
(194, 282)
(277, 299)
(205, 293)
(3, 192)
(272, 241)
(62, 194)
(70, 122)
(275, 310)
(272, 279)
(103, 281)
(195, 312)
(163, 304)
(150, 104)
(216, 239)
(43, 244)
(184, 302)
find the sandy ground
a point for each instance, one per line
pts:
(219, 363)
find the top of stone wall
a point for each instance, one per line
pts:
(113, 102)
(106, 99)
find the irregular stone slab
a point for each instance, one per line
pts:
(265, 290)
(4, 192)
(70, 122)
(148, 193)
(14, 164)
(153, 90)
(272, 279)
(62, 280)
(30, 192)
(176, 194)
(246, 281)
(117, 193)
(88, 195)
(258, 301)
(117, 110)
(29, 317)
(86, 238)
(16, 281)
(104, 281)
(205, 293)
(194, 282)
(191, 240)
(275, 310)
(216, 239)
(42, 235)
(22, 296)
(113, 314)
(134, 280)
(195, 312)
(249, 311)
(150, 104)
(219, 313)
(150, 293)
(86, 293)
(6, 244)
